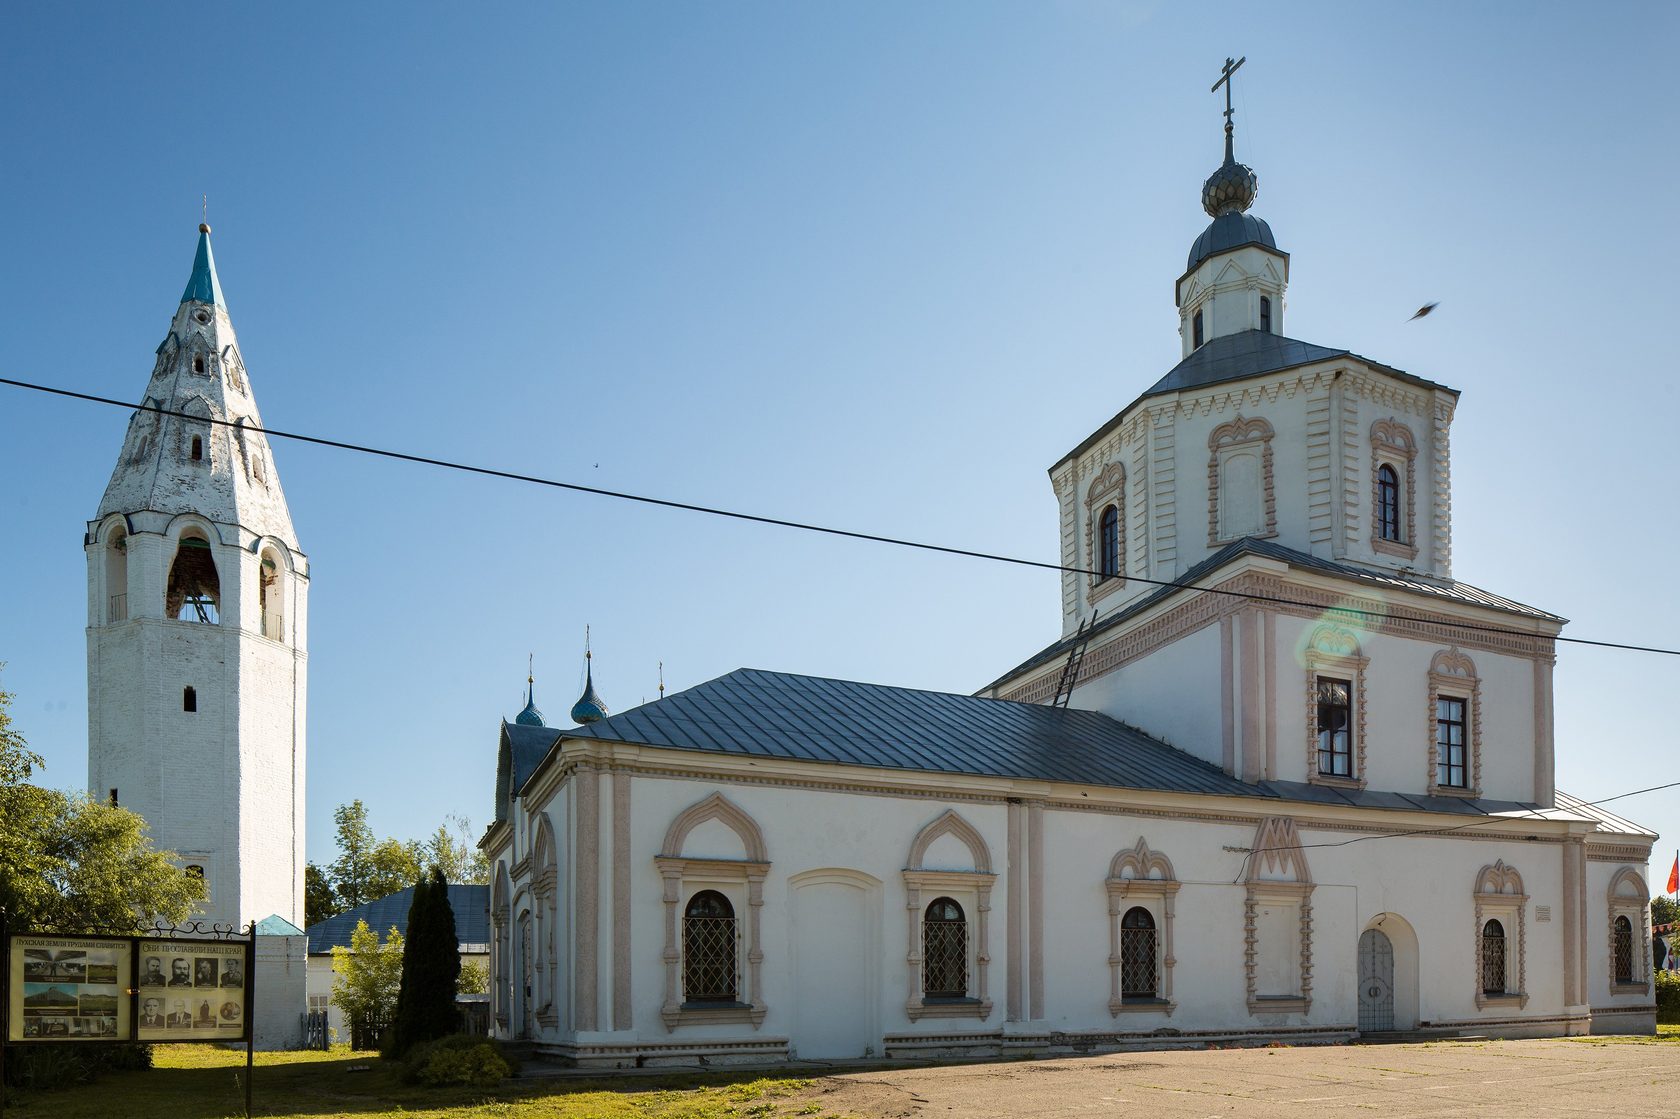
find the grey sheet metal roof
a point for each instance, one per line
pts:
(470, 903)
(1607, 821)
(1231, 230)
(1236, 357)
(521, 749)
(1447, 590)
(756, 713)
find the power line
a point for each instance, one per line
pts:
(803, 526)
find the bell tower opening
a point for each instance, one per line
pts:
(195, 591)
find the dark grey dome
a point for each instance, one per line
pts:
(1228, 231)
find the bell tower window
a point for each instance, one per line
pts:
(1196, 331)
(197, 453)
(1265, 314)
(195, 591)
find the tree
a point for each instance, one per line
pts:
(69, 863)
(430, 971)
(474, 978)
(367, 977)
(319, 901)
(353, 867)
(457, 855)
(1663, 910)
(393, 865)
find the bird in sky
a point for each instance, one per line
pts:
(1424, 310)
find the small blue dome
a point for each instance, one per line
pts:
(1230, 230)
(589, 708)
(530, 717)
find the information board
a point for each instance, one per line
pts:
(191, 990)
(71, 988)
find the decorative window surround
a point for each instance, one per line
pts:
(1140, 876)
(1626, 898)
(1500, 896)
(1108, 488)
(1278, 875)
(1333, 650)
(962, 886)
(1392, 444)
(1239, 434)
(682, 876)
(1452, 674)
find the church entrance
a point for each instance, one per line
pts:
(525, 977)
(1376, 982)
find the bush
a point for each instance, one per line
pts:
(457, 1059)
(1668, 998)
(60, 1066)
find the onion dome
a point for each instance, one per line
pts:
(589, 708)
(530, 716)
(1231, 189)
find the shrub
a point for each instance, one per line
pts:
(60, 1066)
(457, 1059)
(1668, 998)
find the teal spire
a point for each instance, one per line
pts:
(204, 287)
(530, 717)
(589, 708)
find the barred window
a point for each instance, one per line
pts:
(1623, 948)
(709, 949)
(1493, 958)
(944, 951)
(1449, 742)
(1388, 503)
(1137, 954)
(1335, 727)
(1108, 565)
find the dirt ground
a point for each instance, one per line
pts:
(1591, 1076)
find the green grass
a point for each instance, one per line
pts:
(201, 1082)
(1666, 1035)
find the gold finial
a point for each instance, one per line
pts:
(586, 653)
(661, 679)
(204, 222)
(530, 668)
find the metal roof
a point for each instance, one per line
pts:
(756, 713)
(522, 748)
(202, 285)
(470, 903)
(1448, 590)
(1231, 230)
(1607, 821)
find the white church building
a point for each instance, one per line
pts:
(197, 639)
(1295, 781)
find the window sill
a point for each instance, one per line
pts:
(1102, 588)
(1454, 791)
(711, 1013)
(950, 1008)
(1335, 781)
(1517, 999)
(1141, 1006)
(1279, 1004)
(1630, 988)
(1394, 548)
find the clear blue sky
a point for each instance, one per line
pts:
(877, 265)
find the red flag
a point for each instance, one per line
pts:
(1674, 876)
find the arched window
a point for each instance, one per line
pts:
(1493, 958)
(1137, 954)
(194, 593)
(197, 453)
(189, 698)
(1108, 562)
(270, 598)
(1623, 949)
(198, 364)
(944, 950)
(1196, 330)
(1388, 503)
(1266, 314)
(709, 949)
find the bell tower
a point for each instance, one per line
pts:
(197, 624)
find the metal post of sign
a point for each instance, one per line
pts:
(250, 1016)
(5, 1004)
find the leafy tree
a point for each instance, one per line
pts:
(393, 866)
(319, 901)
(474, 978)
(68, 862)
(367, 975)
(453, 850)
(430, 971)
(354, 865)
(1663, 910)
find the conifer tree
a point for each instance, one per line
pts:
(431, 967)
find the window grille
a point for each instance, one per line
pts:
(944, 951)
(1449, 742)
(1388, 503)
(1137, 954)
(1335, 727)
(1623, 949)
(1493, 958)
(1109, 562)
(709, 949)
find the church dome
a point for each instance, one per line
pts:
(530, 716)
(1231, 189)
(589, 708)
(1230, 230)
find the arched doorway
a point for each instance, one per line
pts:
(525, 980)
(1376, 982)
